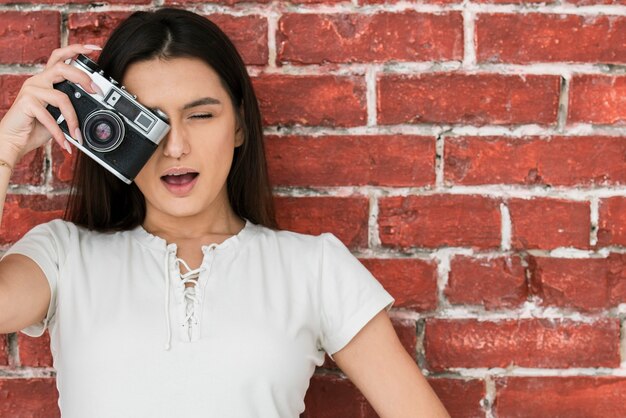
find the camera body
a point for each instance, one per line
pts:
(118, 132)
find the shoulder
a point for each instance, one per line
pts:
(297, 241)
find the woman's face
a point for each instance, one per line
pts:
(186, 176)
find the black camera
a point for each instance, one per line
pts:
(118, 132)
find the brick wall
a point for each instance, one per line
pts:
(469, 153)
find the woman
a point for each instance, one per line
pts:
(176, 295)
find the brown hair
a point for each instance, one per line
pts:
(100, 201)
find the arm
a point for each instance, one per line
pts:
(379, 366)
(24, 290)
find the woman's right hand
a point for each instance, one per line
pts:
(27, 124)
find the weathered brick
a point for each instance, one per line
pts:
(549, 223)
(549, 343)
(351, 160)
(248, 33)
(23, 212)
(561, 397)
(558, 161)
(439, 220)
(481, 99)
(62, 166)
(612, 222)
(492, 282)
(34, 352)
(326, 100)
(29, 170)
(460, 397)
(597, 99)
(413, 283)
(584, 284)
(29, 398)
(93, 28)
(330, 395)
(523, 38)
(224, 2)
(368, 2)
(379, 37)
(4, 350)
(112, 2)
(35, 34)
(346, 217)
(10, 86)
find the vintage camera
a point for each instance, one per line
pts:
(118, 132)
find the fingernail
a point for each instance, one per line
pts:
(67, 147)
(93, 47)
(78, 136)
(96, 88)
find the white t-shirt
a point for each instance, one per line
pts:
(244, 340)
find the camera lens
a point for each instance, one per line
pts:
(103, 130)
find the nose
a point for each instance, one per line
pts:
(176, 144)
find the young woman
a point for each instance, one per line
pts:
(177, 295)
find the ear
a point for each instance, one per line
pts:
(240, 129)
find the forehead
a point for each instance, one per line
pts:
(172, 82)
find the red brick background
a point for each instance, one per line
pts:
(471, 153)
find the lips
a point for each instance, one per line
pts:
(179, 180)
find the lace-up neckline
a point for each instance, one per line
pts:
(189, 298)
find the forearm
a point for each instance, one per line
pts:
(8, 160)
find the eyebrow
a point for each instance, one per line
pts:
(200, 102)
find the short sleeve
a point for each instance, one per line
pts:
(351, 295)
(41, 244)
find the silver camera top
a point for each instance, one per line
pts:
(151, 123)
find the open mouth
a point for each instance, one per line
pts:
(179, 179)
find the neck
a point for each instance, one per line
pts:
(208, 226)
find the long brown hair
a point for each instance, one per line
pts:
(100, 201)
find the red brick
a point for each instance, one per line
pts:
(380, 37)
(224, 2)
(523, 2)
(612, 222)
(346, 217)
(29, 170)
(248, 33)
(4, 350)
(561, 397)
(23, 212)
(558, 161)
(594, 2)
(34, 352)
(413, 283)
(351, 161)
(539, 37)
(460, 397)
(439, 220)
(29, 398)
(10, 86)
(28, 37)
(549, 223)
(584, 284)
(550, 343)
(367, 2)
(597, 99)
(62, 166)
(494, 283)
(485, 99)
(112, 2)
(326, 100)
(330, 395)
(93, 28)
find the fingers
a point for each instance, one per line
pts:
(36, 107)
(70, 51)
(60, 72)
